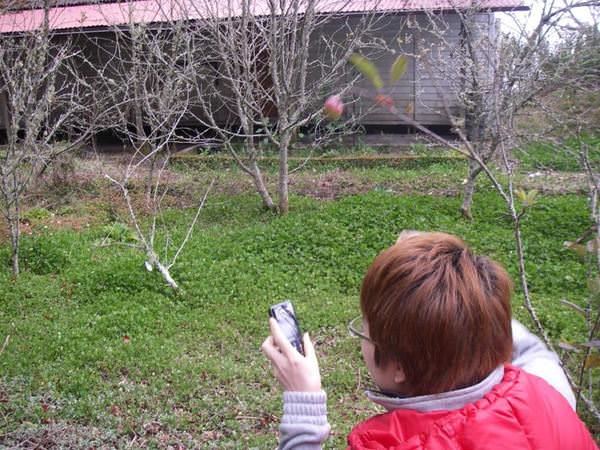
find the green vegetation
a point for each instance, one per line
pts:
(330, 160)
(549, 156)
(102, 353)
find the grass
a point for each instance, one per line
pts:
(334, 161)
(101, 353)
(549, 156)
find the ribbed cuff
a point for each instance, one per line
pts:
(305, 407)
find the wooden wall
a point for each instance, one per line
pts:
(417, 93)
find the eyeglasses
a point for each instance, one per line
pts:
(355, 327)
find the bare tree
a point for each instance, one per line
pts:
(147, 72)
(45, 101)
(485, 78)
(571, 122)
(265, 68)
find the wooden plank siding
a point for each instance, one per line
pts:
(401, 92)
(419, 88)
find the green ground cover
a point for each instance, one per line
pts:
(549, 156)
(101, 353)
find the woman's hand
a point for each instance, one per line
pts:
(295, 372)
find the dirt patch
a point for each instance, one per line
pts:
(339, 183)
(329, 185)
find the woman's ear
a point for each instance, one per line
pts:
(399, 376)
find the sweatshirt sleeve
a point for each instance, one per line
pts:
(304, 423)
(532, 355)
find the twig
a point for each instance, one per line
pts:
(6, 341)
(191, 227)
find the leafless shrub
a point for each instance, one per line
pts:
(148, 73)
(45, 102)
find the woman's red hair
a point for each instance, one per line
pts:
(440, 312)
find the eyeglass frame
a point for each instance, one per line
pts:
(353, 330)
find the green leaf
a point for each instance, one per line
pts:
(368, 69)
(398, 69)
(531, 196)
(527, 198)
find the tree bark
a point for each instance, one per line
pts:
(283, 182)
(14, 238)
(139, 123)
(94, 142)
(150, 178)
(154, 261)
(261, 188)
(469, 189)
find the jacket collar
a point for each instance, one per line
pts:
(446, 401)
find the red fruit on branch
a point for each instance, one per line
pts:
(333, 107)
(384, 100)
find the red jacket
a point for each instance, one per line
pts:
(520, 412)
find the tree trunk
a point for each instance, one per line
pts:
(259, 184)
(150, 179)
(474, 170)
(139, 125)
(14, 238)
(94, 142)
(153, 261)
(283, 183)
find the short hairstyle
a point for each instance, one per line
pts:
(440, 312)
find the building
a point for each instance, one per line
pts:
(406, 26)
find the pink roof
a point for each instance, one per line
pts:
(148, 11)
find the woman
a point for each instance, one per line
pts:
(453, 370)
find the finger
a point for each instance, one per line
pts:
(267, 342)
(309, 348)
(279, 339)
(271, 351)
